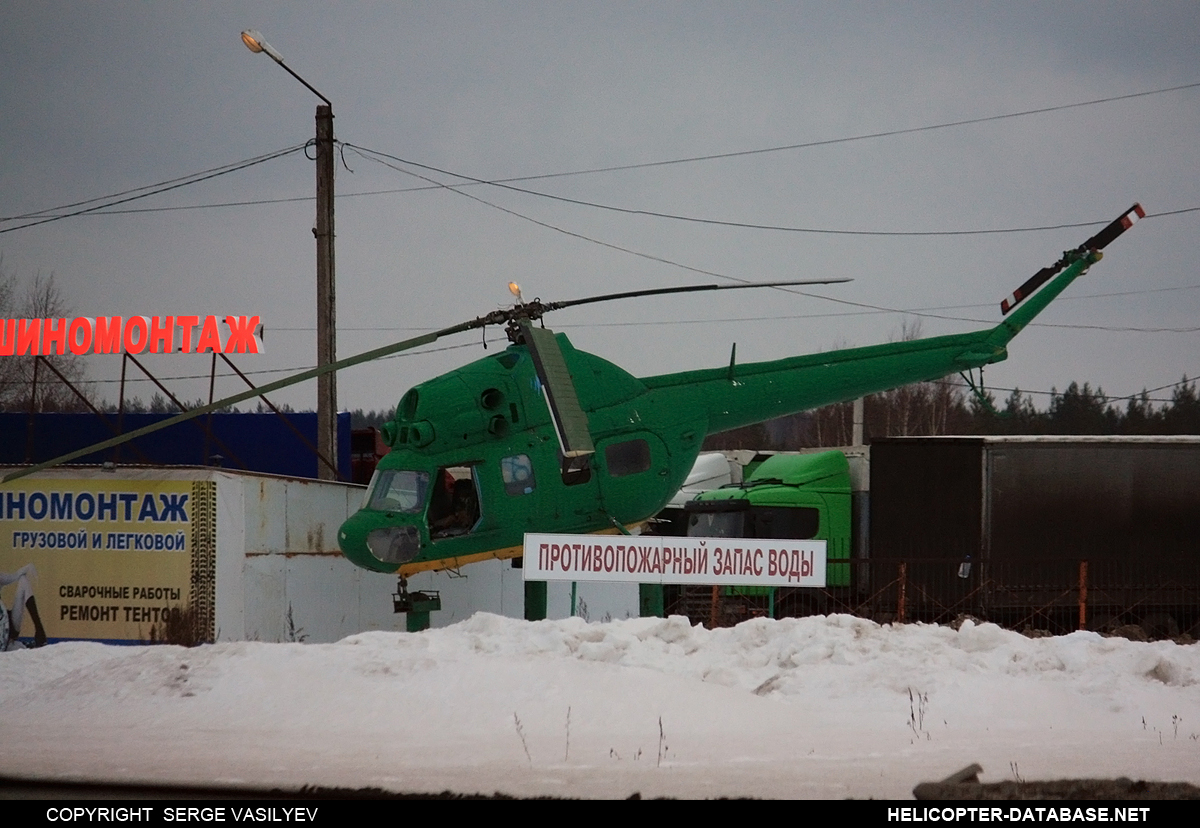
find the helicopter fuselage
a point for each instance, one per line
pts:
(476, 461)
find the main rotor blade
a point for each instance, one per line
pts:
(311, 373)
(686, 289)
(570, 421)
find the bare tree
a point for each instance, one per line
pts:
(43, 300)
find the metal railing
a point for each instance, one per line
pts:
(1160, 596)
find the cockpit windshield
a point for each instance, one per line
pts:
(399, 490)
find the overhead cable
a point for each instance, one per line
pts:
(699, 158)
(371, 156)
(144, 192)
(747, 225)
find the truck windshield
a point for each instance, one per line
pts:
(716, 524)
(399, 490)
(792, 522)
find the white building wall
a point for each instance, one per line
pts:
(277, 555)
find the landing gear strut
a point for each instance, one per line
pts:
(415, 605)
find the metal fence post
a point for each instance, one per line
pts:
(1083, 595)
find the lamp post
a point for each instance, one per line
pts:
(327, 444)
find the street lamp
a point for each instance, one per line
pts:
(327, 444)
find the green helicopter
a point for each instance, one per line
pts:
(546, 438)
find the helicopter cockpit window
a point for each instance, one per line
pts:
(629, 457)
(399, 490)
(517, 473)
(453, 502)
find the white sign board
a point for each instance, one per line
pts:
(657, 560)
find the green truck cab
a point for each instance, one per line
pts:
(793, 496)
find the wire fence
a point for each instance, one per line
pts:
(1151, 599)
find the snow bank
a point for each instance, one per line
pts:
(822, 706)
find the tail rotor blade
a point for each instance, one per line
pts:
(1096, 242)
(1031, 284)
(1105, 237)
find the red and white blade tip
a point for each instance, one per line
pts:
(1138, 212)
(1009, 303)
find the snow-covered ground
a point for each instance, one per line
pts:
(812, 707)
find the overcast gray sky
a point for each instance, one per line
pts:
(98, 98)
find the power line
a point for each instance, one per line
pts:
(571, 233)
(829, 141)
(361, 328)
(152, 189)
(869, 135)
(688, 160)
(363, 151)
(1107, 400)
(954, 383)
(38, 213)
(788, 318)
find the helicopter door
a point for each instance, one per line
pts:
(453, 503)
(633, 472)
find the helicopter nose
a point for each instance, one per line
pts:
(394, 544)
(380, 541)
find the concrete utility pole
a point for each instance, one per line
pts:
(327, 443)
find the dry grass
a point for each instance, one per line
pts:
(183, 626)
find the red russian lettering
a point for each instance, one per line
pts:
(162, 335)
(79, 323)
(51, 334)
(210, 338)
(241, 335)
(140, 326)
(186, 323)
(29, 336)
(108, 335)
(8, 336)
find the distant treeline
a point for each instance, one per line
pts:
(361, 419)
(949, 407)
(928, 408)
